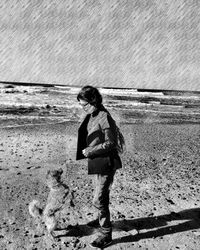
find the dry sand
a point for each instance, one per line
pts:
(155, 200)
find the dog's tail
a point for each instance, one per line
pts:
(35, 209)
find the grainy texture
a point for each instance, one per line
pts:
(155, 200)
(140, 44)
(156, 194)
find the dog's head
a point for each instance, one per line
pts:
(54, 175)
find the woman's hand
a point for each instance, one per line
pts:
(86, 152)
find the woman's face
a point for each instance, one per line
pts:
(87, 107)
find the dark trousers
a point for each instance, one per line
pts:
(102, 184)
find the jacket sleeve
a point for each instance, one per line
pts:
(104, 147)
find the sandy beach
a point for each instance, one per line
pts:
(155, 199)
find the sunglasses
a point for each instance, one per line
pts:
(84, 105)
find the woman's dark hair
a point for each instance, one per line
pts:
(91, 95)
(119, 138)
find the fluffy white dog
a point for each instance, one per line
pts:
(55, 201)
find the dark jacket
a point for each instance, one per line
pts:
(100, 143)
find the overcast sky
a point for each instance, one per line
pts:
(149, 44)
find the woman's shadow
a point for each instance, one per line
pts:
(159, 225)
(156, 226)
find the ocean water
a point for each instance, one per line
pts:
(49, 104)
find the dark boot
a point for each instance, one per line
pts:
(102, 241)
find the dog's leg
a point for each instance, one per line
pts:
(51, 224)
(53, 236)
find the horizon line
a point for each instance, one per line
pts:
(77, 86)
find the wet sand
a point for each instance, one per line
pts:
(155, 200)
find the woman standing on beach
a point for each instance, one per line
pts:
(99, 140)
